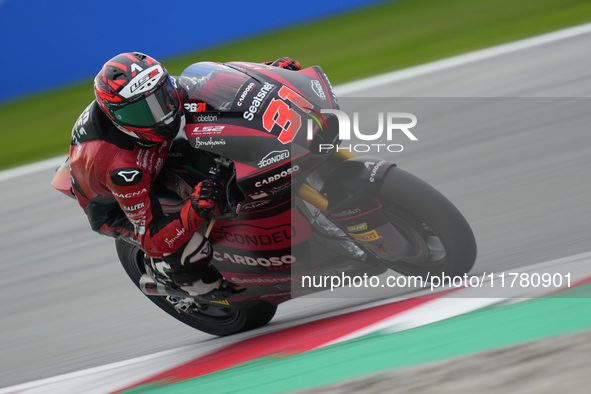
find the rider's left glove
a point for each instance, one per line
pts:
(286, 63)
(202, 199)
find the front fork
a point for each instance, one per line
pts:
(352, 203)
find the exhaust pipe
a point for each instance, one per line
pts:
(150, 287)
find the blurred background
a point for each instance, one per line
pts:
(51, 51)
(66, 302)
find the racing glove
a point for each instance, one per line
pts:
(202, 199)
(286, 63)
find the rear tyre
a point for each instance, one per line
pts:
(215, 320)
(441, 238)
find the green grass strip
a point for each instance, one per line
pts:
(470, 333)
(348, 46)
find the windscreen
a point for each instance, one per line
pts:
(216, 84)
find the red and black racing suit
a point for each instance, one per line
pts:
(113, 180)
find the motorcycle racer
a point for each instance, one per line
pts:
(119, 147)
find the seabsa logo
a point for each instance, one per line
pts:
(345, 130)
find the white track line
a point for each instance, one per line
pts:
(31, 168)
(108, 378)
(459, 60)
(368, 83)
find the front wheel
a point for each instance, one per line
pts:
(215, 320)
(441, 239)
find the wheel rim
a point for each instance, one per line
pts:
(220, 316)
(427, 248)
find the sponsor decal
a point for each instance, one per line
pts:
(357, 227)
(273, 236)
(280, 188)
(380, 249)
(145, 80)
(130, 195)
(260, 261)
(138, 220)
(258, 195)
(223, 302)
(283, 174)
(245, 93)
(253, 205)
(159, 165)
(263, 280)
(126, 176)
(338, 271)
(368, 164)
(257, 101)
(280, 116)
(206, 130)
(195, 107)
(144, 159)
(345, 213)
(367, 237)
(274, 157)
(282, 287)
(208, 143)
(317, 88)
(134, 207)
(170, 242)
(276, 295)
(205, 118)
(330, 87)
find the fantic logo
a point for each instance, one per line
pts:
(274, 157)
(345, 130)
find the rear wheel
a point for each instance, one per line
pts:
(215, 320)
(441, 239)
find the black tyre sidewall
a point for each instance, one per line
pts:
(244, 319)
(429, 206)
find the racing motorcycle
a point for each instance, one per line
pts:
(292, 208)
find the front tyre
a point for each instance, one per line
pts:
(440, 237)
(215, 320)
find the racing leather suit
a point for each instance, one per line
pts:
(113, 180)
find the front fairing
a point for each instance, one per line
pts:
(256, 115)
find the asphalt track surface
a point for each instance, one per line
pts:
(68, 305)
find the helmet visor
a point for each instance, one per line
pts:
(148, 111)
